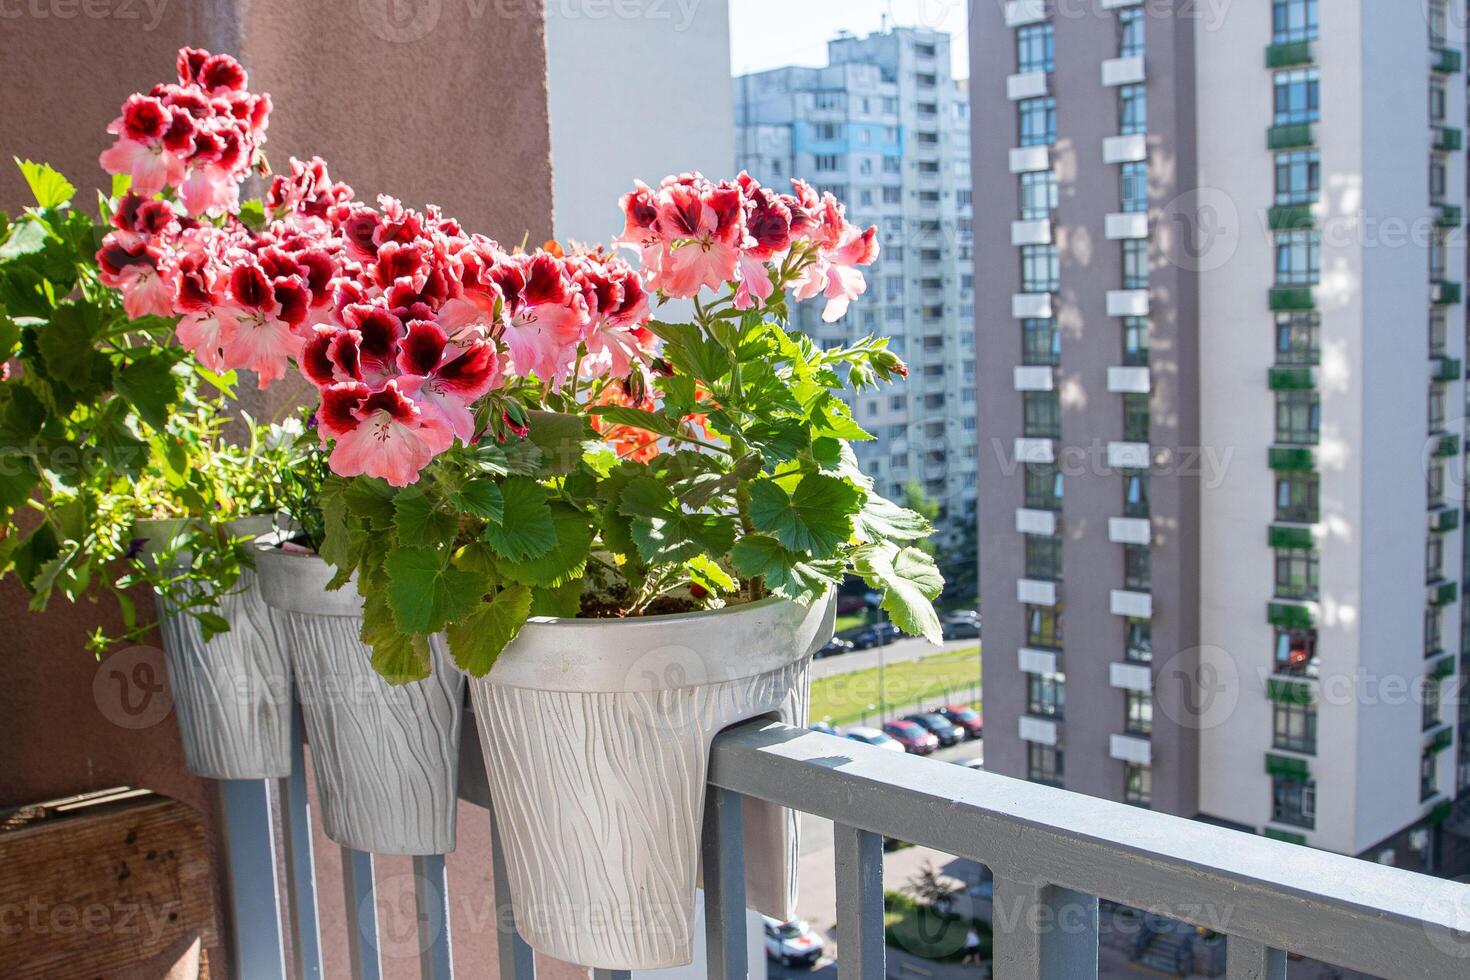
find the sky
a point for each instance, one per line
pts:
(773, 33)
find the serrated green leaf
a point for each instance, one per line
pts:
(762, 556)
(399, 657)
(526, 530)
(883, 520)
(68, 345)
(565, 561)
(477, 642)
(664, 532)
(17, 479)
(778, 440)
(51, 190)
(636, 418)
(481, 498)
(909, 581)
(420, 523)
(708, 575)
(426, 593)
(816, 520)
(121, 184)
(148, 382)
(560, 438)
(9, 338)
(699, 490)
(252, 215)
(27, 237)
(563, 602)
(345, 535)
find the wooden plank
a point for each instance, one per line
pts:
(99, 893)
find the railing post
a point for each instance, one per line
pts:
(1246, 959)
(431, 898)
(250, 861)
(306, 944)
(859, 859)
(724, 886)
(517, 960)
(1043, 932)
(361, 897)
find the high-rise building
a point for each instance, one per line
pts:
(886, 128)
(1221, 380)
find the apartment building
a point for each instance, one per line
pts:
(885, 127)
(1220, 350)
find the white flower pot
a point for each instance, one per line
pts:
(386, 758)
(596, 736)
(232, 694)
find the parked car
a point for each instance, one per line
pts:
(967, 718)
(915, 739)
(960, 629)
(834, 647)
(792, 943)
(873, 736)
(865, 638)
(945, 730)
(825, 728)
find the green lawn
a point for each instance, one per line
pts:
(844, 698)
(922, 931)
(849, 621)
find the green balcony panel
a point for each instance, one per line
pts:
(1446, 60)
(1445, 594)
(1442, 668)
(1292, 298)
(1288, 692)
(1284, 835)
(1448, 138)
(1448, 446)
(1289, 136)
(1442, 740)
(1440, 813)
(1447, 369)
(1292, 379)
(1450, 216)
(1443, 521)
(1290, 615)
(1289, 536)
(1291, 217)
(1290, 53)
(1282, 765)
(1291, 458)
(1446, 292)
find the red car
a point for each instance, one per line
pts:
(967, 718)
(914, 738)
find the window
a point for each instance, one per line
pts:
(1433, 631)
(1038, 121)
(1438, 178)
(1041, 343)
(1046, 695)
(1296, 573)
(1043, 557)
(1043, 764)
(1438, 22)
(1132, 110)
(1135, 417)
(1040, 269)
(1437, 104)
(1294, 726)
(1293, 20)
(1038, 195)
(1298, 417)
(1044, 627)
(1035, 48)
(1428, 774)
(1130, 32)
(1296, 652)
(1297, 496)
(1434, 483)
(1135, 186)
(1433, 558)
(1294, 801)
(829, 161)
(892, 195)
(825, 131)
(1135, 493)
(1138, 781)
(1043, 410)
(1438, 333)
(1135, 341)
(1296, 96)
(1436, 258)
(1138, 642)
(1430, 714)
(1138, 712)
(1043, 486)
(1298, 176)
(1298, 258)
(1137, 570)
(1135, 263)
(1296, 339)
(1436, 407)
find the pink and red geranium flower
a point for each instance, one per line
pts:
(401, 319)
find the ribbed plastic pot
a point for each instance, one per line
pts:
(596, 736)
(232, 694)
(386, 758)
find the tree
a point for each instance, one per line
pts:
(933, 888)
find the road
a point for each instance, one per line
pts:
(900, 651)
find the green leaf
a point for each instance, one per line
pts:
(779, 439)
(664, 532)
(9, 338)
(148, 382)
(637, 418)
(420, 524)
(38, 548)
(252, 215)
(121, 184)
(708, 575)
(883, 520)
(345, 536)
(560, 438)
(762, 556)
(691, 352)
(815, 520)
(910, 582)
(477, 642)
(400, 658)
(526, 529)
(68, 345)
(371, 501)
(50, 188)
(426, 593)
(699, 490)
(481, 498)
(17, 479)
(566, 561)
(27, 237)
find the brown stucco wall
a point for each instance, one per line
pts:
(447, 107)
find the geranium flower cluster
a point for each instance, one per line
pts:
(695, 234)
(198, 137)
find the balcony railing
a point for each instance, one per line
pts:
(1054, 854)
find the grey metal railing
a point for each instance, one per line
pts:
(1054, 854)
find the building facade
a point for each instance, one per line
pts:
(1222, 395)
(885, 127)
